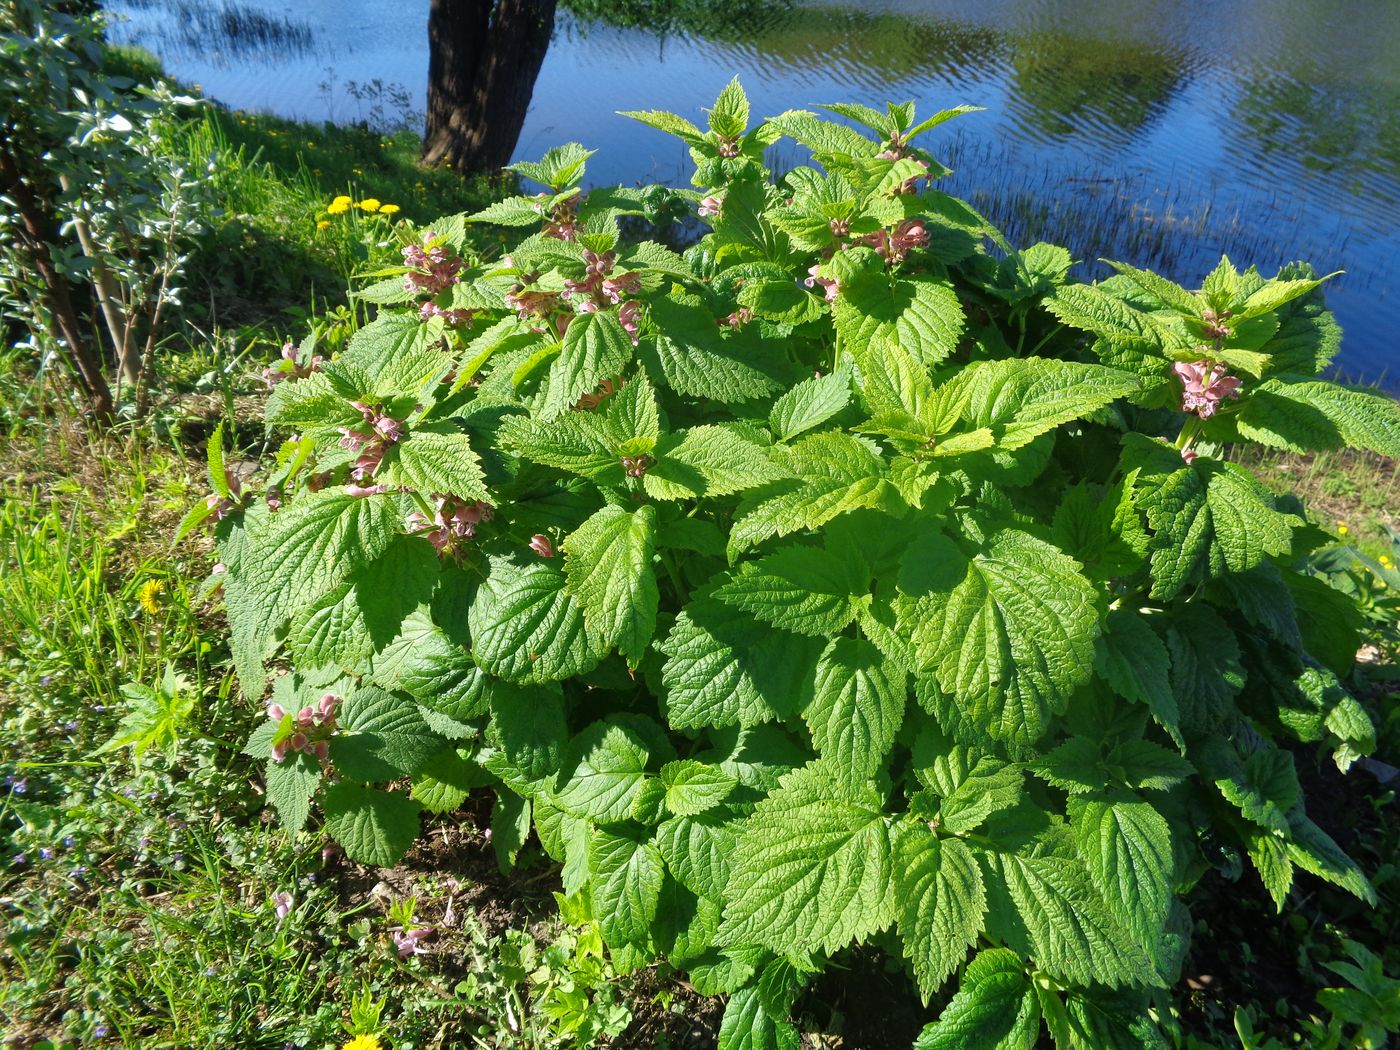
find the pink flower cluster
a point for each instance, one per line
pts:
(893, 247)
(562, 222)
(636, 466)
(288, 368)
(384, 430)
(1215, 324)
(528, 301)
(455, 318)
(598, 288)
(431, 269)
(709, 207)
(738, 318)
(313, 726)
(1204, 385)
(453, 523)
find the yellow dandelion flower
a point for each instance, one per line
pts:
(1342, 529)
(149, 595)
(364, 1042)
(388, 209)
(340, 204)
(323, 224)
(368, 204)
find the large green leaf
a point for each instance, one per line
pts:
(812, 868)
(436, 459)
(373, 827)
(942, 903)
(995, 1008)
(1020, 399)
(800, 589)
(604, 771)
(607, 563)
(525, 627)
(1009, 632)
(626, 885)
(725, 668)
(856, 709)
(595, 348)
(921, 314)
(1064, 925)
(1313, 415)
(1127, 847)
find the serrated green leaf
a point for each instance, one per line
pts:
(604, 769)
(730, 116)
(607, 563)
(445, 780)
(1132, 659)
(693, 787)
(1020, 399)
(856, 709)
(995, 1008)
(811, 869)
(1127, 847)
(437, 459)
(381, 736)
(290, 785)
(1308, 416)
(746, 1025)
(698, 850)
(1009, 633)
(724, 668)
(526, 628)
(1064, 925)
(595, 348)
(833, 473)
(710, 461)
(923, 316)
(942, 903)
(810, 404)
(800, 589)
(373, 827)
(626, 884)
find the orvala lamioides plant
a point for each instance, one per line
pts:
(850, 574)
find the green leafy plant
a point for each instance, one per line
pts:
(850, 575)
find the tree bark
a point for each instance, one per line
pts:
(483, 59)
(37, 231)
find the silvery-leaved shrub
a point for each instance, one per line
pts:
(849, 576)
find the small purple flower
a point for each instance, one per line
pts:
(46, 680)
(100, 1031)
(70, 726)
(21, 858)
(19, 785)
(45, 853)
(629, 315)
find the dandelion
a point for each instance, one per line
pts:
(149, 595)
(388, 209)
(339, 205)
(323, 224)
(368, 204)
(1342, 529)
(364, 1042)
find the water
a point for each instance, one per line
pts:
(1160, 132)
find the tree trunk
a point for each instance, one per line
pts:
(38, 230)
(483, 59)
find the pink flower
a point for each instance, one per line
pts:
(630, 316)
(454, 318)
(282, 903)
(539, 543)
(431, 269)
(408, 941)
(737, 319)
(1189, 454)
(287, 367)
(709, 207)
(453, 522)
(1205, 384)
(313, 726)
(830, 287)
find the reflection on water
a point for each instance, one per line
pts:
(1162, 132)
